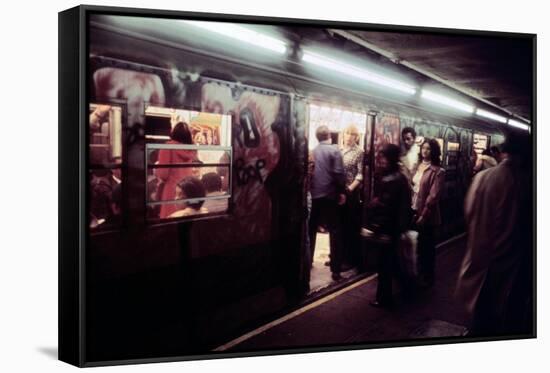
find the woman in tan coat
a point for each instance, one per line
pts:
(428, 181)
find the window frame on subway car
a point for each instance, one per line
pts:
(228, 148)
(123, 166)
(363, 143)
(487, 141)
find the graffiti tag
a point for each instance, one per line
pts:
(246, 173)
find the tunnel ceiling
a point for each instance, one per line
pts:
(497, 69)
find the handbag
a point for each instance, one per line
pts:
(408, 253)
(372, 245)
(372, 236)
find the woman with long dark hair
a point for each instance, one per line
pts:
(428, 181)
(169, 177)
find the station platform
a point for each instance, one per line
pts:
(345, 317)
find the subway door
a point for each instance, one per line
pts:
(452, 203)
(382, 128)
(368, 159)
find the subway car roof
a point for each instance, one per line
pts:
(466, 62)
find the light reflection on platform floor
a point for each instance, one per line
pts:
(321, 276)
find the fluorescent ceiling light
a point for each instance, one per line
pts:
(356, 72)
(515, 123)
(242, 34)
(488, 114)
(447, 101)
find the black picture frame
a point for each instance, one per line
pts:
(74, 195)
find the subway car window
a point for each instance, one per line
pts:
(337, 119)
(188, 161)
(453, 146)
(105, 161)
(453, 151)
(480, 143)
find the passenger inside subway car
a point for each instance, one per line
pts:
(180, 156)
(199, 213)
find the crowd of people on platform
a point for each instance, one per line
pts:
(406, 193)
(494, 280)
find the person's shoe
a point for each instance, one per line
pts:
(365, 232)
(336, 276)
(378, 304)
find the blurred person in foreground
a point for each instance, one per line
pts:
(495, 281)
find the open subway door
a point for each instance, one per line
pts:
(383, 128)
(341, 122)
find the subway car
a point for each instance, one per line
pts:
(164, 280)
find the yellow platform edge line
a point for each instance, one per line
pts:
(292, 315)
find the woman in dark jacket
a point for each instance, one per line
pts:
(388, 217)
(428, 181)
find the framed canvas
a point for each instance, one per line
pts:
(238, 186)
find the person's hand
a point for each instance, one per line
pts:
(174, 118)
(341, 199)
(103, 110)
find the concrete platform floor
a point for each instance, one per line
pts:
(346, 317)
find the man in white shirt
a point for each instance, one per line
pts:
(409, 159)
